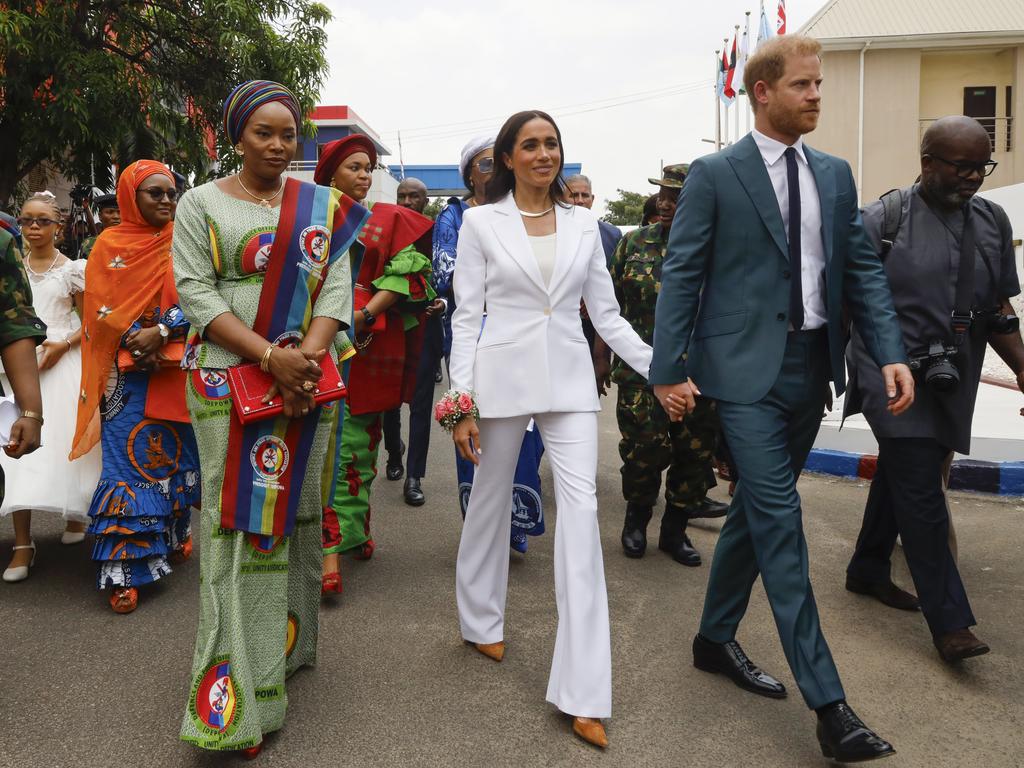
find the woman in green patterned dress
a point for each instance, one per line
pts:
(240, 245)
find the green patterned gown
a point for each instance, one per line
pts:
(259, 595)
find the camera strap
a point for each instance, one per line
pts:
(964, 297)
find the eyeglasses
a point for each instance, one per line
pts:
(485, 164)
(965, 170)
(158, 194)
(26, 222)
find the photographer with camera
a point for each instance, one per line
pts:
(950, 263)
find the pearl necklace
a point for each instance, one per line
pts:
(264, 201)
(46, 271)
(530, 215)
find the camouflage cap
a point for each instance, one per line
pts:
(672, 175)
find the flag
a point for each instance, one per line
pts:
(781, 26)
(741, 58)
(764, 32)
(723, 76)
(730, 75)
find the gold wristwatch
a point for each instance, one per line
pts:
(32, 415)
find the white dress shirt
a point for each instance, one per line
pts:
(812, 249)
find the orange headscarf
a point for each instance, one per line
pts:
(128, 273)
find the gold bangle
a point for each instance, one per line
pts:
(32, 415)
(264, 364)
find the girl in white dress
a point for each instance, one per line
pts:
(46, 480)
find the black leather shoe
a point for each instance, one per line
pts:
(959, 645)
(708, 508)
(679, 546)
(413, 493)
(634, 529)
(395, 470)
(729, 659)
(885, 592)
(844, 737)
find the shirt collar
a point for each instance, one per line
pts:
(772, 149)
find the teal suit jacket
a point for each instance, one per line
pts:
(722, 313)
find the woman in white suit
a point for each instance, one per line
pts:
(528, 258)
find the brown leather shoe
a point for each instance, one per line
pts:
(590, 730)
(959, 645)
(494, 651)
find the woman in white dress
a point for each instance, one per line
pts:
(529, 258)
(46, 480)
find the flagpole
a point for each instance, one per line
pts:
(737, 86)
(748, 110)
(718, 102)
(725, 47)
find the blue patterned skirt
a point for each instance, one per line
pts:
(141, 509)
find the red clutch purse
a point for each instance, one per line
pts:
(249, 385)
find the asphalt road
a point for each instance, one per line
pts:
(395, 686)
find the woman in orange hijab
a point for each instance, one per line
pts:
(133, 392)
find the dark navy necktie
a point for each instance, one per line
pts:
(796, 291)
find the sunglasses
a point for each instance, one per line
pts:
(157, 194)
(485, 165)
(966, 170)
(26, 222)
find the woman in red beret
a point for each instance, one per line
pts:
(392, 290)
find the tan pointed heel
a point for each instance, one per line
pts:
(591, 731)
(494, 651)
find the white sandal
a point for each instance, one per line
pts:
(72, 537)
(20, 573)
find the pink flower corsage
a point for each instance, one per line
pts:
(453, 407)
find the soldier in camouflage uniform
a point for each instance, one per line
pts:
(20, 332)
(650, 442)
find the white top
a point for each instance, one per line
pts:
(812, 249)
(544, 248)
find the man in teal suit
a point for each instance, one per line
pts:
(766, 247)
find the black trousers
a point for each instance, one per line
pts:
(907, 499)
(391, 426)
(421, 409)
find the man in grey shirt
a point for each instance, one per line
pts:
(922, 262)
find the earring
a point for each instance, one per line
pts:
(238, 149)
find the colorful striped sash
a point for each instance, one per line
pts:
(267, 460)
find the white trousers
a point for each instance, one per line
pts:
(580, 683)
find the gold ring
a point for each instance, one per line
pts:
(308, 386)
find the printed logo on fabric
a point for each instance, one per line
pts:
(526, 507)
(255, 255)
(154, 450)
(315, 244)
(216, 703)
(211, 383)
(269, 458)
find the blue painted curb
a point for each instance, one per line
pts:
(1003, 478)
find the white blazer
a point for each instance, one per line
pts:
(531, 356)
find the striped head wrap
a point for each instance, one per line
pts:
(250, 96)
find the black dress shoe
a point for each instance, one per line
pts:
(413, 493)
(679, 546)
(634, 529)
(885, 592)
(729, 659)
(708, 508)
(395, 470)
(844, 737)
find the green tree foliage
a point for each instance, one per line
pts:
(88, 82)
(435, 206)
(627, 210)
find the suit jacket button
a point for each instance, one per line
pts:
(786, 274)
(547, 310)
(780, 316)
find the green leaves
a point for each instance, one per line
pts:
(91, 82)
(627, 210)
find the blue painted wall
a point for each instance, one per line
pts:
(438, 177)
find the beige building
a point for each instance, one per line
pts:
(891, 67)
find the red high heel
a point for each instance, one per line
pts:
(366, 552)
(182, 553)
(330, 582)
(124, 600)
(251, 753)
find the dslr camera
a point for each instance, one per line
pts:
(998, 323)
(937, 368)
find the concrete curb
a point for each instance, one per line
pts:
(1004, 478)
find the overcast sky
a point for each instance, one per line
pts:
(629, 82)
